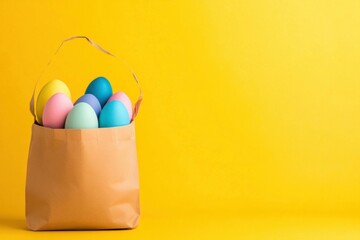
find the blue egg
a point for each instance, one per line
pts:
(114, 114)
(92, 101)
(101, 88)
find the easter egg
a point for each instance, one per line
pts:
(81, 116)
(49, 89)
(114, 114)
(92, 101)
(122, 97)
(101, 89)
(56, 110)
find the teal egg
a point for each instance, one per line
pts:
(81, 116)
(114, 114)
(101, 88)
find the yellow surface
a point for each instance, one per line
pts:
(250, 121)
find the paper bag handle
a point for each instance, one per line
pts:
(97, 46)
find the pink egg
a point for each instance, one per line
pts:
(122, 97)
(56, 110)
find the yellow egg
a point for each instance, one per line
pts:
(49, 89)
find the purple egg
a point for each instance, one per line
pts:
(92, 101)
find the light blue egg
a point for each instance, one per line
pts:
(101, 88)
(114, 114)
(92, 101)
(81, 116)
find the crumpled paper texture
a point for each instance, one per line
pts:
(82, 179)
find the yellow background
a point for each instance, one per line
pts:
(250, 121)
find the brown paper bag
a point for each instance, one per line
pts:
(82, 178)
